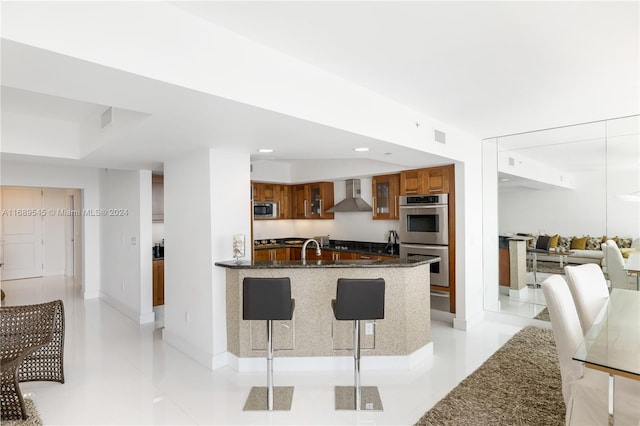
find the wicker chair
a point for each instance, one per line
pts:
(31, 348)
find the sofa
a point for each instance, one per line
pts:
(585, 249)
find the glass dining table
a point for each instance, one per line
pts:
(612, 344)
(632, 265)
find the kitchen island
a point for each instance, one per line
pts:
(314, 339)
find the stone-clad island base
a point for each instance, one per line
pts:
(314, 339)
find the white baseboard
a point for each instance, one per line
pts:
(521, 294)
(469, 322)
(208, 360)
(139, 318)
(442, 316)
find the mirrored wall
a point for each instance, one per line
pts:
(578, 184)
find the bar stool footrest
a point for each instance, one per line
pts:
(369, 398)
(257, 399)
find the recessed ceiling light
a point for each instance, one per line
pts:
(265, 150)
(361, 149)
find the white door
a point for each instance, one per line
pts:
(21, 233)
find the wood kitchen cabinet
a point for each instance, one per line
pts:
(267, 255)
(158, 282)
(274, 192)
(434, 180)
(385, 190)
(338, 255)
(438, 180)
(504, 267)
(312, 200)
(412, 182)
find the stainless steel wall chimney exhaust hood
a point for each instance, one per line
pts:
(353, 202)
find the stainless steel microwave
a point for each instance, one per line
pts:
(265, 210)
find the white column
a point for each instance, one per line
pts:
(206, 194)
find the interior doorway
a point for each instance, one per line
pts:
(40, 232)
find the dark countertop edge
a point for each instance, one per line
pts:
(313, 264)
(158, 258)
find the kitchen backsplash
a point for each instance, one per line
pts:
(345, 226)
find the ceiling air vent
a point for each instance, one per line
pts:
(106, 117)
(439, 136)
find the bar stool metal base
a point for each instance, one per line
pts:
(257, 399)
(369, 398)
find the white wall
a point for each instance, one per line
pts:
(54, 232)
(490, 224)
(207, 199)
(157, 232)
(126, 257)
(577, 212)
(15, 173)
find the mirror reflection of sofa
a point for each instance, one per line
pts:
(585, 249)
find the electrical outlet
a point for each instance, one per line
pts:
(133, 241)
(368, 329)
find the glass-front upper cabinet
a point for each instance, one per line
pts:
(385, 190)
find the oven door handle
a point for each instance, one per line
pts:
(417, 206)
(424, 246)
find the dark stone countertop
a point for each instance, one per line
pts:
(358, 263)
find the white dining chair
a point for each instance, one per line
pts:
(615, 265)
(585, 391)
(589, 289)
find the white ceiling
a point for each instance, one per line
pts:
(489, 68)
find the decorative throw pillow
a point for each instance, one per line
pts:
(554, 241)
(533, 241)
(624, 242)
(579, 243)
(564, 242)
(593, 243)
(626, 252)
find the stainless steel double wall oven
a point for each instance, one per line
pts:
(424, 230)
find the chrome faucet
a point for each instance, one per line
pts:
(303, 255)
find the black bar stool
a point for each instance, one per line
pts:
(358, 299)
(268, 299)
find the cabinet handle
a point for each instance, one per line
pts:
(320, 201)
(305, 208)
(364, 257)
(395, 206)
(411, 192)
(375, 209)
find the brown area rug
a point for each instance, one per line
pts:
(32, 412)
(543, 315)
(518, 385)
